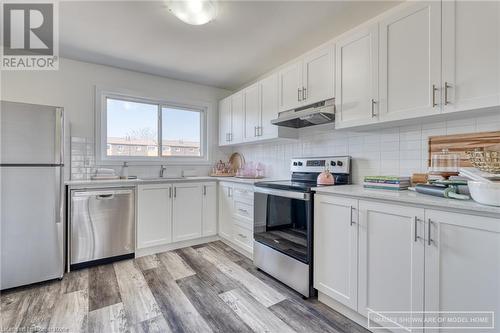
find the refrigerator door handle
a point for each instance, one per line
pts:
(59, 143)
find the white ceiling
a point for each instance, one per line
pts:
(247, 39)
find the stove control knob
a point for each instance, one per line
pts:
(294, 163)
(300, 163)
(339, 163)
(332, 163)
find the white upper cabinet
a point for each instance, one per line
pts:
(225, 121)
(357, 78)
(391, 259)
(251, 97)
(154, 215)
(471, 54)
(238, 118)
(462, 264)
(410, 61)
(318, 75)
(308, 80)
(336, 248)
(290, 86)
(269, 105)
(187, 211)
(209, 212)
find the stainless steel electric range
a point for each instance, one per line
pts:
(284, 221)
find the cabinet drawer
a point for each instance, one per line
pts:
(243, 236)
(243, 210)
(243, 194)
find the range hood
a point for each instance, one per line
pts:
(314, 114)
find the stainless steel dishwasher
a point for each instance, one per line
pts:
(101, 226)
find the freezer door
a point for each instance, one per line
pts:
(31, 225)
(30, 134)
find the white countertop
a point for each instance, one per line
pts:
(409, 197)
(133, 182)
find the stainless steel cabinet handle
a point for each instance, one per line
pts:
(373, 108)
(242, 236)
(429, 240)
(255, 131)
(170, 192)
(204, 189)
(416, 236)
(434, 104)
(229, 192)
(351, 208)
(446, 86)
(304, 93)
(230, 136)
(298, 94)
(175, 192)
(243, 210)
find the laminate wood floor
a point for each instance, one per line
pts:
(205, 288)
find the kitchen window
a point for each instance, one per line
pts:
(144, 130)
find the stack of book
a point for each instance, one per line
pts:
(387, 182)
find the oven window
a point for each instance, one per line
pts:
(287, 226)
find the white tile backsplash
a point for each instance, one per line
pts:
(399, 150)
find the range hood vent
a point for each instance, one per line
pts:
(314, 114)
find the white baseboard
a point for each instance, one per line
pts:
(174, 246)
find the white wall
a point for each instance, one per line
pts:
(72, 87)
(390, 151)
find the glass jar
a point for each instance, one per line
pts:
(445, 163)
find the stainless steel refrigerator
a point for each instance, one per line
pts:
(32, 206)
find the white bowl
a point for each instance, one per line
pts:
(485, 193)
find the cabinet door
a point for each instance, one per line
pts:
(290, 86)
(319, 76)
(336, 248)
(225, 121)
(391, 259)
(357, 78)
(225, 210)
(187, 210)
(462, 264)
(154, 215)
(410, 61)
(209, 215)
(251, 97)
(269, 106)
(471, 54)
(238, 118)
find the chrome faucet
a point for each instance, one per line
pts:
(162, 170)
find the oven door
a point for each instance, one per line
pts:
(283, 222)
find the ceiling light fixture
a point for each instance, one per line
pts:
(195, 12)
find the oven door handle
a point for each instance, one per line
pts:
(282, 193)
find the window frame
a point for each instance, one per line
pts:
(101, 96)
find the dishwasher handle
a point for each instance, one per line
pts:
(102, 195)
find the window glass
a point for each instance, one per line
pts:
(131, 128)
(181, 132)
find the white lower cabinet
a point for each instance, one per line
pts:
(154, 215)
(209, 225)
(236, 214)
(168, 213)
(187, 211)
(462, 264)
(409, 259)
(336, 248)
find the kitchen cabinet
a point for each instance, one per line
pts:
(410, 61)
(269, 107)
(471, 55)
(225, 210)
(187, 211)
(238, 118)
(391, 258)
(357, 78)
(209, 215)
(462, 263)
(308, 80)
(225, 121)
(154, 215)
(253, 111)
(336, 248)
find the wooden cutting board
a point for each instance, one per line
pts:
(460, 143)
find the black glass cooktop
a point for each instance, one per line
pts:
(300, 185)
